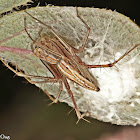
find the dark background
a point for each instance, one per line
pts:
(24, 111)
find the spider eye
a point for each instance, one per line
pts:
(39, 50)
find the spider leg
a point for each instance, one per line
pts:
(86, 36)
(25, 26)
(18, 72)
(58, 94)
(110, 64)
(67, 46)
(79, 115)
(34, 40)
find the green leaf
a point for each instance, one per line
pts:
(112, 34)
(8, 5)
